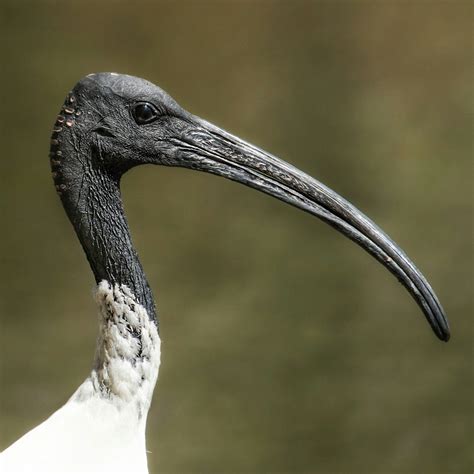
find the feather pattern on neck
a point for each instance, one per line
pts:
(128, 351)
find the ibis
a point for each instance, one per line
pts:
(108, 124)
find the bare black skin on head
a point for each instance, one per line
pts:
(111, 123)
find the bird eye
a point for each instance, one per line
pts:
(144, 112)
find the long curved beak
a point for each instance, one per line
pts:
(205, 147)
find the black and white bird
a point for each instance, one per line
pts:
(108, 124)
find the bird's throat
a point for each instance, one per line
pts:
(91, 197)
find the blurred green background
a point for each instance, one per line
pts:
(286, 348)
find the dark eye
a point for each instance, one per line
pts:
(144, 112)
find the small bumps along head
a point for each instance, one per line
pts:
(98, 126)
(65, 120)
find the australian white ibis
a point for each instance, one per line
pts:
(108, 124)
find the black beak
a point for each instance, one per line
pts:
(205, 147)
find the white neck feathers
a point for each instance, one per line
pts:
(128, 351)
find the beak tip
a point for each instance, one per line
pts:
(445, 336)
(443, 332)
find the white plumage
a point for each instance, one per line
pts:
(101, 429)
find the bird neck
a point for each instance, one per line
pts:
(92, 200)
(128, 347)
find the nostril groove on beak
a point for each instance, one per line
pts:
(104, 132)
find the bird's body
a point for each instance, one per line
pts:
(108, 124)
(101, 429)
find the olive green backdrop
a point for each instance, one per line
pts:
(286, 348)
